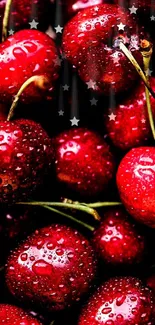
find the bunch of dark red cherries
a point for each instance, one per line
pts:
(77, 200)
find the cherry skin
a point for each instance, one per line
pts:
(120, 301)
(91, 44)
(25, 54)
(53, 268)
(151, 282)
(22, 12)
(83, 161)
(136, 184)
(117, 240)
(130, 127)
(71, 7)
(26, 155)
(12, 315)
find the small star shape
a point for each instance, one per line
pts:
(33, 24)
(152, 18)
(96, 8)
(74, 121)
(91, 84)
(58, 29)
(63, 55)
(149, 72)
(112, 117)
(61, 112)
(57, 61)
(143, 120)
(116, 60)
(11, 32)
(133, 10)
(93, 101)
(121, 26)
(65, 87)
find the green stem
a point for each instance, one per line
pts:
(6, 20)
(131, 58)
(146, 51)
(40, 81)
(74, 206)
(149, 110)
(103, 204)
(70, 217)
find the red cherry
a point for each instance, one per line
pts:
(52, 268)
(83, 161)
(91, 43)
(22, 12)
(136, 184)
(23, 55)
(151, 282)
(12, 315)
(130, 127)
(25, 156)
(71, 7)
(120, 301)
(117, 240)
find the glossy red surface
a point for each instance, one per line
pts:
(23, 55)
(52, 268)
(90, 43)
(83, 161)
(25, 156)
(119, 301)
(23, 12)
(116, 240)
(136, 184)
(12, 315)
(131, 127)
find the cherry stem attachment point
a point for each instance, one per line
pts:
(146, 51)
(74, 206)
(81, 223)
(131, 58)
(39, 81)
(6, 20)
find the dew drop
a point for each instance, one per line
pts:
(42, 268)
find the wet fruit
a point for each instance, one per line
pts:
(53, 268)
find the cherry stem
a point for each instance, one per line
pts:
(75, 206)
(103, 204)
(146, 51)
(129, 55)
(6, 20)
(40, 82)
(52, 323)
(70, 217)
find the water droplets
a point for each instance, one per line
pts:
(42, 268)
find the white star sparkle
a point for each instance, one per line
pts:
(74, 121)
(143, 120)
(61, 112)
(65, 87)
(112, 117)
(152, 18)
(133, 10)
(121, 26)
(58, 29)
(91, 84)
(11, 32)
(33, 24)
(149, 72)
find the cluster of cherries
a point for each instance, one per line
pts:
(55, 267)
